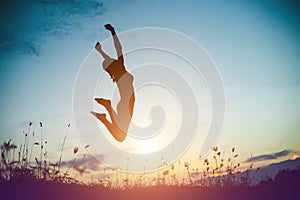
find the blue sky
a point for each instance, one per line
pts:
(255, 45)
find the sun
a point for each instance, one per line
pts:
(294, 157)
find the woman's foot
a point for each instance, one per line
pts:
(101, 117)
(104, 102)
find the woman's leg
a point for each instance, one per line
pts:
(107, 105)
(115, 128)
(115, 131)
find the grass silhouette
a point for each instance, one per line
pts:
(24, 168)
(22, 176)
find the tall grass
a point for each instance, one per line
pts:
(28, 169)
(224, 170)
(220, 170)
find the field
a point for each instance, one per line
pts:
(285, 187)
(25, 176)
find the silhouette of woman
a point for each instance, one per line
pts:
(120, 120)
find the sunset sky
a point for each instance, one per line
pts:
(254, 44)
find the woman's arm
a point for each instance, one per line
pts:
(117, 42)
(99, 49)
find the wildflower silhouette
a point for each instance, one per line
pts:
(121, 119)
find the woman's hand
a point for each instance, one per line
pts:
(109, 27)
(98, 46)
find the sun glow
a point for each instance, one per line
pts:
(294, 157)
(216, 175)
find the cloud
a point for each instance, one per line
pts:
(21, 46)
(65, 16)
(88, 162)
(26, 32)
(269, 156)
